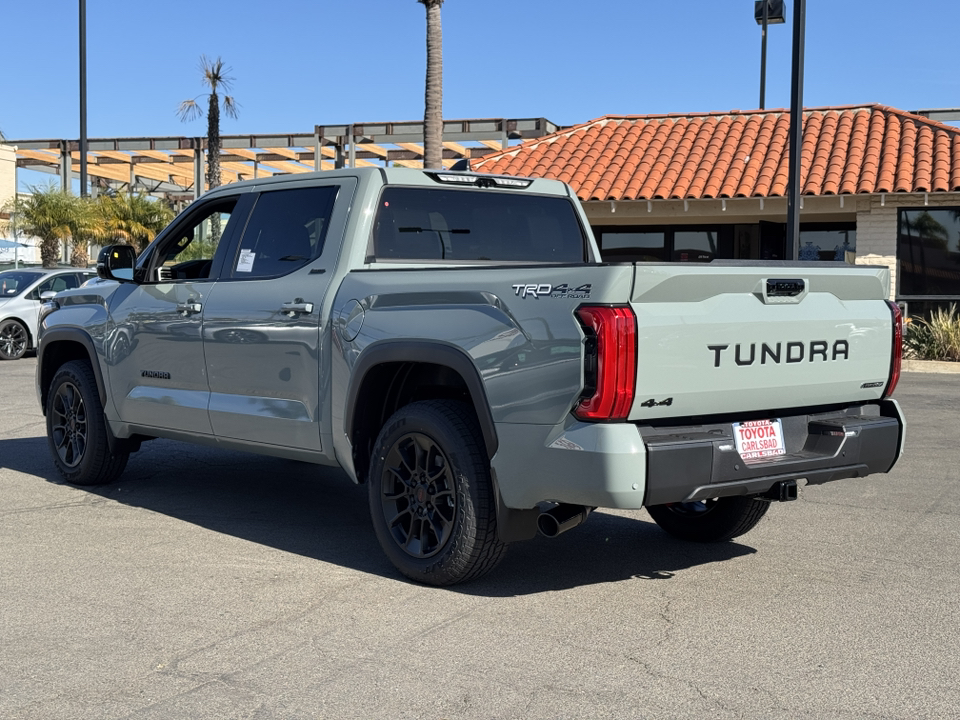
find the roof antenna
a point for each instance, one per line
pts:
(461, 165)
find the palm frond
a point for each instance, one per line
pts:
(189, 110)
(216, 75)
(230, 106)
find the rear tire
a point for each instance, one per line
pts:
(432, 501)
(14, 340)
(715, 520)
(76, 428)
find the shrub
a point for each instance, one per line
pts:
(934, 338)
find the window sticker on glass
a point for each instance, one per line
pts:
(245, 263)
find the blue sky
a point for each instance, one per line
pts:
(298, 63)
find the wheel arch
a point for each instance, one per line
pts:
(60, 346)
(393, 373)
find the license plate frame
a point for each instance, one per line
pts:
(759, 440)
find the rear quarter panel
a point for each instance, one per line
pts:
(526, 346)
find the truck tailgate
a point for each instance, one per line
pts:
(715, 339)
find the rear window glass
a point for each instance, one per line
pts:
(427, 224)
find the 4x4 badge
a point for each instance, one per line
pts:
(537, 291)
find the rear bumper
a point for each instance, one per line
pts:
(693, 463)
(621, 465)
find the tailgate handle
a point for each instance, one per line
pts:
(785, 287)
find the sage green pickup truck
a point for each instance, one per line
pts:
(455, 342)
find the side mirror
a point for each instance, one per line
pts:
(116, 262)
(47, 295)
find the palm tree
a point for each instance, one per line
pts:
(85, 225)
(216, 77)
(134, 218)
(54, 216)
(433, 96)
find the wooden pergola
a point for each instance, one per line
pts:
(175, 165)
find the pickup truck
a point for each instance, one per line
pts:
(454, 342)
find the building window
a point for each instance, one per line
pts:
(694, 246)
(835, 241)
(663, 244)
(633, 246)
(928, 248)
(826, 242)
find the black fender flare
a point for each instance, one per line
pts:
(428, 352)
(74, 335)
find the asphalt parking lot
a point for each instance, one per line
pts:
(208, 584)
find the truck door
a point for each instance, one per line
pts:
(153, 347)
(263, 323)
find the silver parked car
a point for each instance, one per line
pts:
(20, 292)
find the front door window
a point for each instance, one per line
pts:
(188, 254)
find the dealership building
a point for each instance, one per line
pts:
(879, 186)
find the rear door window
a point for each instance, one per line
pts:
(434, 224)
(286, 230)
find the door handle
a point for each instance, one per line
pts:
(189, 308)
(297, 306)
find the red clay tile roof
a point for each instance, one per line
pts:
(846, 150)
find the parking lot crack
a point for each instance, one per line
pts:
(54, 506)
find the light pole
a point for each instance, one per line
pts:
(767, 12)
(83, 98)
(796, 130)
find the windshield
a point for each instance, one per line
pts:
(14, 282)
(434, 224)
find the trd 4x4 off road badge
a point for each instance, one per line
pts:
(537, 291)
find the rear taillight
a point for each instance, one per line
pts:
(897, 350)
(610, 368)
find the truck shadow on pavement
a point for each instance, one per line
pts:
(316, 512)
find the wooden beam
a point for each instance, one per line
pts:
(461, 150)
(285, 152)
(246, 170)
(51, 157)
(412, 147)
(166, 157)
(285, 167)
(241, 152)
(378, 150)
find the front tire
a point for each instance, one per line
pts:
(715, 520)
(431, 497)
(76, 428)
(14, 340)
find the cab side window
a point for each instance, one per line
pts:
(286, 230)
(188, 253)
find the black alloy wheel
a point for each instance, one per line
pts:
(431, 496)
(68, 426)
(76, 428)
(417, 495)
(14, 340)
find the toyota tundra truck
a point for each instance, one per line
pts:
(455, 342)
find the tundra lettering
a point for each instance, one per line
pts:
(796, 351)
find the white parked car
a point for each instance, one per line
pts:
(20, 292)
